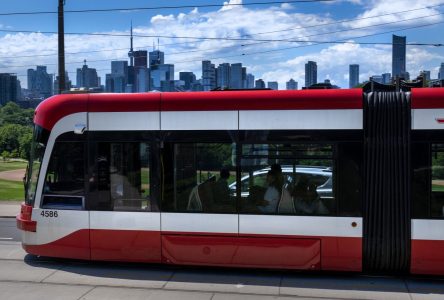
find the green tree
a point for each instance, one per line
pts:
(25, 142)
(10, 135)
(11, 113)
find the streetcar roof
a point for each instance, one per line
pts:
(54, 108)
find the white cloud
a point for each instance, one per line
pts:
(231, 22)
(229, 5)
(381, 11)
(333, 63)
(160, 19)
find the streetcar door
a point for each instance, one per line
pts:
(123, 183)
(199, 218)
(290, 215)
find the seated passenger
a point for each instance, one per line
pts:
(221, 190)
(307, 202)
(272, 194)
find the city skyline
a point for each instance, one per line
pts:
(147, 71)
(267, 60)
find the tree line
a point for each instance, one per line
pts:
(15, 131)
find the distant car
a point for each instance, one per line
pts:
(318, 175)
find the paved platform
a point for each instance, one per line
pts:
(24, 276)
(9, 209)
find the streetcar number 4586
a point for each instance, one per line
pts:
(49, 214)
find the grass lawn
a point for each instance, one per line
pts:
(11, 190)
(12, 165)
(437, 188)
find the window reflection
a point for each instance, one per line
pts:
(295, 179)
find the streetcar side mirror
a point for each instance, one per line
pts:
(79, 128)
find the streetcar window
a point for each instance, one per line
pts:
(293, 179)
(120, 178)
(437, 176)
(421, 181)
(65, 177)
(39, 140)
(202, 176)
(349, 156)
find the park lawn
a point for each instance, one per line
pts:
(12, 165)
(11, 190)
(437, 188)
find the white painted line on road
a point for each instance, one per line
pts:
(1, 238)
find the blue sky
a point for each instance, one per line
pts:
(267, 60)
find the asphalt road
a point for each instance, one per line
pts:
(8, 230)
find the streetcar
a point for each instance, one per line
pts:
(326, 180)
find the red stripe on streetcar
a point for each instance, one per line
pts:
(290, 252)
(423, 98)
(263, 100)
(75, 245)
(427, 257)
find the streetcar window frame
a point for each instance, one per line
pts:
(115, 137)
(40, 137)
(70, 199)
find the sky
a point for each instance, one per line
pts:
(277, 39)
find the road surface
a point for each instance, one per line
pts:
(8, 230)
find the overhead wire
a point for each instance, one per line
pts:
(126, 9)
(245, 35)
(311, 43)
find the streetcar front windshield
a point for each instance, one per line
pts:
(39, 140)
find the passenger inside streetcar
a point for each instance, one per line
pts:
(307, 200)
(221, 192)
(272, 193)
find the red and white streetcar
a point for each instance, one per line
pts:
(310, 180)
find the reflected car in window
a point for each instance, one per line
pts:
(318, 175)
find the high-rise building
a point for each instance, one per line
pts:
(441, 72)
(140, 69)
(244, 77)
(143, 80)
(119, 67)
(188, 79)
(87, 77)
(117, 81)
(377, 78)
(40, 82)
(159, 73)
(8, 88)
(260, 84)
(292, 84)
(250, 81)
(140, 58)
(353, 76)
(223, 75)
(236, 76)
(157, 57)
(273, 85)
(386, 78)
(398, 56)
(68, 83)
(426, 75)
(208, 75)
(311, 73)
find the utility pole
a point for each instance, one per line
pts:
(61, 23)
